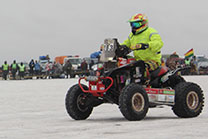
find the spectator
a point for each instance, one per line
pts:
(195, 61)
(5, 70)
(21, 70)
(14, 68)
(31, 65)
(47, 57)
(187, 61)
(49, 67)
(57, 70)
(91, 64)
(187, 64)
(172, 61)
(84, 66)
(53, 67)
(67, 68)
(194, 65)
(37, 69)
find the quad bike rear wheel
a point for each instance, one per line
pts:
(189, 100)
(133, 102)
(76, 103)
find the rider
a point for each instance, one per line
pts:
(145, 41)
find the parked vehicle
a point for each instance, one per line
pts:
(202, 65)
(60, 59)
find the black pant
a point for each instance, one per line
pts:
(31, 71)
(68, 71)
(14, 74)
(21, 74)
(5, 73)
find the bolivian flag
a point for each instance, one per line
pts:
(190, 53)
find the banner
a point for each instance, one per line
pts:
(190, 53)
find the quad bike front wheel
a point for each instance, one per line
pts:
(76, 103)
(133, 102)
(189, 100)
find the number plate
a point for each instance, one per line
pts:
(93, 87)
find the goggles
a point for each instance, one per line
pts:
(136, 24)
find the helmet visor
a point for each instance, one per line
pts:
(136, 24)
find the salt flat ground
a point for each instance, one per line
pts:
(35, 109)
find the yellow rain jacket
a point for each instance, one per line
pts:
(149, 36)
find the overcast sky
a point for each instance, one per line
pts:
(31, 28)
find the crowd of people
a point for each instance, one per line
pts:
(14, 68)
(174, 61)
(56, 70)
(29, 70)
(37, 69)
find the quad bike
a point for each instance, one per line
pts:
(120, 80)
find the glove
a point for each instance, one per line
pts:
(122, 47)
(140, 46)
(122, 51)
